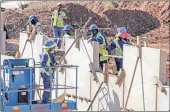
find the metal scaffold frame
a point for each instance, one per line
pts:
(11, 65)
(120, 76)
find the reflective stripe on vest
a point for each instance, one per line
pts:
(48, 64)
(58, 19)
(67, 36)
(103, 50)
(118, 50)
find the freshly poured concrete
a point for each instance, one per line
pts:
(110, 98)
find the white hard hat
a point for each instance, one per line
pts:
(58, 4)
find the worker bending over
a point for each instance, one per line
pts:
(99, 37)
(117, 46)
(57, 23)
(47, 60)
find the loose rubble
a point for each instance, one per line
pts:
(148, 18)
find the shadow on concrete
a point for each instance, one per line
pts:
(137, 22)
(112, 104)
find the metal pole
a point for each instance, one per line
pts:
(131, 83)
(156, 102)
(31, 96)
(0, 64)
(95, 96)
(56, 83)
(76, 86)
(0, 84)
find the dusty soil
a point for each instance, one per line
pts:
(147, 18)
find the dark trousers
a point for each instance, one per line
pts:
(46, 94)
(57, 31)
(102, 63)
(119, 64)
(46, 97)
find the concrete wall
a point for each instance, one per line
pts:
(2, 41)
(151, 64)
(110, 98)
(33, 49)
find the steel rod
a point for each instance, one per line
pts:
(71, 66)
(36, 89)
(156, 102)
(95, 96)
(131, 83)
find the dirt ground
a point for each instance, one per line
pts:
(146, 18)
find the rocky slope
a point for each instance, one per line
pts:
(147, 18)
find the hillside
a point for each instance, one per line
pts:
(147, 18)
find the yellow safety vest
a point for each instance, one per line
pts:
(118, 50)
(48, 64)
(103, 50)
(58, 19)
(67, 36)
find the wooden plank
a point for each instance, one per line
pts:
(159, 84)
(114, 56)
(95, 59)
(61, 98)
(93, 71)
(77, 44)
(121, 76)
(105, 71)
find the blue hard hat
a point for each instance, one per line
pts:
(49, 44)
(122, 30)
(32, 18)
(67, 27)
(93, 27)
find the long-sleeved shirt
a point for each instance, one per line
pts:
(98, 39)
(121, 42)
(44, 59)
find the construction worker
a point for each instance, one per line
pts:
(57, 23)
(33, 20)
(47, 60)
(117, 46)
(99, 37)
(68, 30)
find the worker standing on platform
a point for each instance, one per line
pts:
(99, 37)
(117, 45)
(57, 23)
(47, 74)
